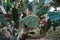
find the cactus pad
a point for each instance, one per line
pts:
(31, 21)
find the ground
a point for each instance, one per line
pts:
(52, 35)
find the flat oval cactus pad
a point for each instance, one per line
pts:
(31, 21)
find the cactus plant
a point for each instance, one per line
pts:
(31, 21)
(41, 9)
(15, 17)
(2, 20)
(54, 15)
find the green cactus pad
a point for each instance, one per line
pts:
(2, 20)
(31, 21)
(40, 5)
(43, 10)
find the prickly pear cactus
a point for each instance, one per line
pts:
(31, 21)
(54, 15)
(2, 20)
(15, 17)
(43, 10)
(40, 5)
